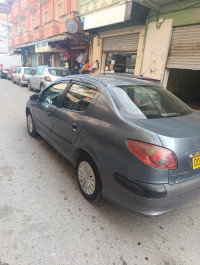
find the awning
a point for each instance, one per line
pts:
(51, 39)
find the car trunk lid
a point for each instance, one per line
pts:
(182, 136)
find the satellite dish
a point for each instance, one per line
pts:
(71, 25)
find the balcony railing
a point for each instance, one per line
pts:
(72, 15)
(29, 5)
(18, 12)
(51, 28)
(18, 40)
(38, 33)
(27, 36)
(12, 19)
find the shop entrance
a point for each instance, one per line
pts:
(120, 62)
(185, 85)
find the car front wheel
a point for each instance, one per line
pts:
(30, 125)
(88, 178)
(13, 80)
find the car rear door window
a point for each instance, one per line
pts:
(78, 97)
(51, 95)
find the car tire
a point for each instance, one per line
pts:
(42, 86)
(13, 80)
(30, 125)
(29, 86)
(88, 178)
(20, 83)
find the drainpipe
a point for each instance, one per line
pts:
(144, 42)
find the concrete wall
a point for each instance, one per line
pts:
(156, 49)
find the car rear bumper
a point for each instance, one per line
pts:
(175, 196)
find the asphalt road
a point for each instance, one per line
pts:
(44, 219)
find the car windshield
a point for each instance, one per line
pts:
(145, 101)
(28, 71)
(59, 72)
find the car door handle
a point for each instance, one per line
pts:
(49, 115)
(74, 126)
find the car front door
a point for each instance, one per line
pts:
(71, 114)
(45, 108)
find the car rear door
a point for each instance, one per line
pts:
(72, 113)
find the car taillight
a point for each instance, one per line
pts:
(153, 155)
(48, 78)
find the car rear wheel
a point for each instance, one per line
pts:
(29, 86)
(30, 125)
(88, 178)
(20, 83)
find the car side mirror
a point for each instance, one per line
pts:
(35, 97)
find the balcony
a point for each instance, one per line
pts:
(38, 33)
(18, 12)
(29, 5)
(11, 43)
(63, 18)
(18, 40)
(27, 36)
(42, 2)
(12, 19)
(51, 28)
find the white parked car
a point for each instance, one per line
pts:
(44, 75)
(22, 75)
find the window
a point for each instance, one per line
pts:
(23, 28)
(78, 98)
(51, 95)
(148, 102)
(59, 10)
(41, 70)
(46, 16)
(33, 23)
(19, 70)
(59, 72)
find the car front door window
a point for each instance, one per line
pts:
(52, 95)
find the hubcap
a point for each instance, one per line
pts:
(30, 123)
(86, 178)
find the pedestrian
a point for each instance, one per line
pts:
(85, 68)
(74, 70)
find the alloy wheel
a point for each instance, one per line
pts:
(86, 178)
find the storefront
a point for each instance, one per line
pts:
(183, 64)
(120, 53)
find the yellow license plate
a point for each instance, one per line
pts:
(196, 162)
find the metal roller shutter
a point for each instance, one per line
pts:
(121, 43)
(184, 52)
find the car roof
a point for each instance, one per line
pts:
(115, 80)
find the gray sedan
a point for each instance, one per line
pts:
(130, 140)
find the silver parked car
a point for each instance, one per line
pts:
(22, 75)
(131, 141)
(44, 75)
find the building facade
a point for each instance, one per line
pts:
(116, 34)
(4, 34)
(39, 32)
(172, 48)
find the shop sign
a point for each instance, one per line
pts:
(43, 47)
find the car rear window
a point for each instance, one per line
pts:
(59, 72)
(146, 101)
(28, 71)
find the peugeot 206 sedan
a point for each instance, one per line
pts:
(130, 140)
